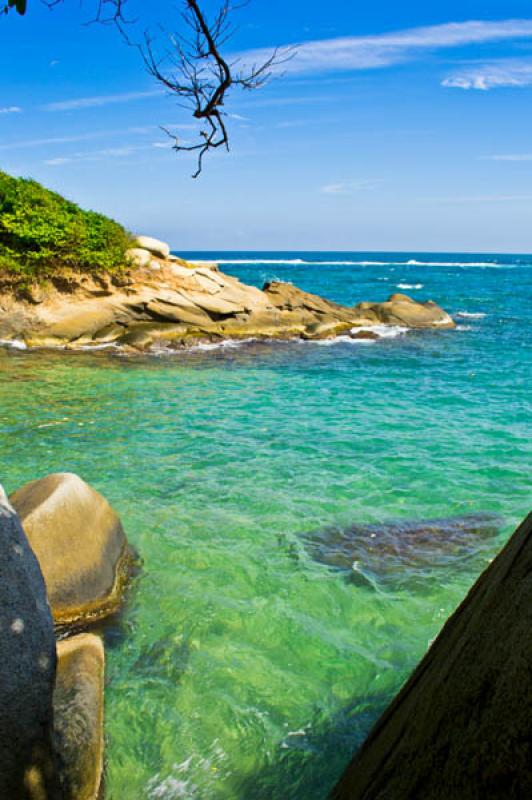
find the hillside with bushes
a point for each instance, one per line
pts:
(42, 234)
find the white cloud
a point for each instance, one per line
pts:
(95, 155)
(372, 52)
(494, 75)
(104, 154)
(10, 110)
(81, 137)
(349, 187)
(511, 157)
(100, 100)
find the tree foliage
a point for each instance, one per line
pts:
(42, 234)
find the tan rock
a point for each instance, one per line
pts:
(85, 309)
(400, 309)
(187, 313)
(216, 304)
(212, 275)
(79, 543)
(85, 321)
(154, 246)
(141, 335)
(139, 256)
(79, 712)
(181, 271)
(207, 284)
(327, 329)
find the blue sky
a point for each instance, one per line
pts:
(396, 126)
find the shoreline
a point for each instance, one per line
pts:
(164, 302)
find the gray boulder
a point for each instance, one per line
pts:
(27, 666)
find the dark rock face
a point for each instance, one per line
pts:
(27, 664)
(461, 725)
(402, 552)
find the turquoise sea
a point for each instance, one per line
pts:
(243, 668)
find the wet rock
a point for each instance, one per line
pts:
(400, 309)
(79, 543)
(460, 727)
(328, 328)
(78, 713)
(154, 246)
(27, 663)
(397, 553)
(364, 334)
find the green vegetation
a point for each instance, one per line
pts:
(42, 234)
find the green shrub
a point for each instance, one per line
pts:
(42, 234)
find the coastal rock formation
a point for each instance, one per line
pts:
(163, 301)
(79, 543)
(78, 710)
(460, 727)
(154, 246)
(400, 309)
(27, 663)
(403, 552)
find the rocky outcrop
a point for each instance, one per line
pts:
(400, 309)
(79, 543)
(460, 727)
(163, 301)
(27, 664)
(78, 710)
(153, 246)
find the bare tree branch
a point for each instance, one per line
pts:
(194, 70)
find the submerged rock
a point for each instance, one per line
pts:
(80, 544)
(460, 727)
(404, 551)
(78, 710)
(27, 663)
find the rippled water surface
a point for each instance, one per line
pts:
(242, 668)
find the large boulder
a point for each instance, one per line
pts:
(80, 544)
(460, 727)
(154, 246)
(400, 309)
(78, 710)
(27, 662)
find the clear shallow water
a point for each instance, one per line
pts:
(242, 668)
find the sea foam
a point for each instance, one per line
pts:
(470, 314)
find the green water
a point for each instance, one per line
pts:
(241, 668)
